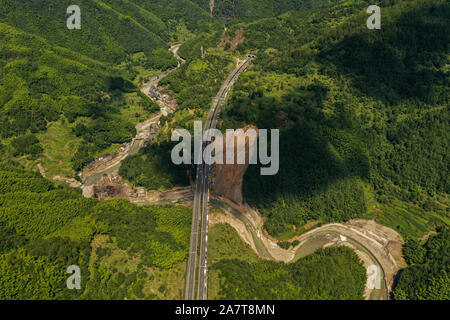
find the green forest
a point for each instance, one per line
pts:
(427, 276)
(362, 114)
(83, 80)
(124, 251)
(364, 133)
(237, 273)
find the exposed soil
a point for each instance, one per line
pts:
(41, 169)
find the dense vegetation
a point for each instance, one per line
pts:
(428, 275)
(362, 117)
(152, 168)
(120, 248)
(360, 113)
(325, 275)
(50, 75)
(332, 273)
(110, 29)
(180, 15)
(248, 10)
(197, 82)
(42, 86)
(194, 85)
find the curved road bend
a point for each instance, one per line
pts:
(201, 198)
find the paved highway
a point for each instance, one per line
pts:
(201, 198)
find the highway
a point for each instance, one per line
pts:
(201, 198)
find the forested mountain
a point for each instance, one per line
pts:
(428, 275)
(124, 251)
(79, 81)
(40, 83)
(110, 29)
(172, 12)
(106, 34)
(236, 272)
(64, 97)
(363, 113)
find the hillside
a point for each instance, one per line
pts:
(46, 86)
(427, 276)
(111, 29)
(123, 251)
(363, 117)
(76, 84)
(238, 273)
(105, 31)
(364, 133)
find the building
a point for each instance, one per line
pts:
(92, 165)
(116, 178)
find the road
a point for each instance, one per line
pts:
(141, 128)
(201, 198)
(378, 247)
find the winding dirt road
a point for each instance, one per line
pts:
(378, 247)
